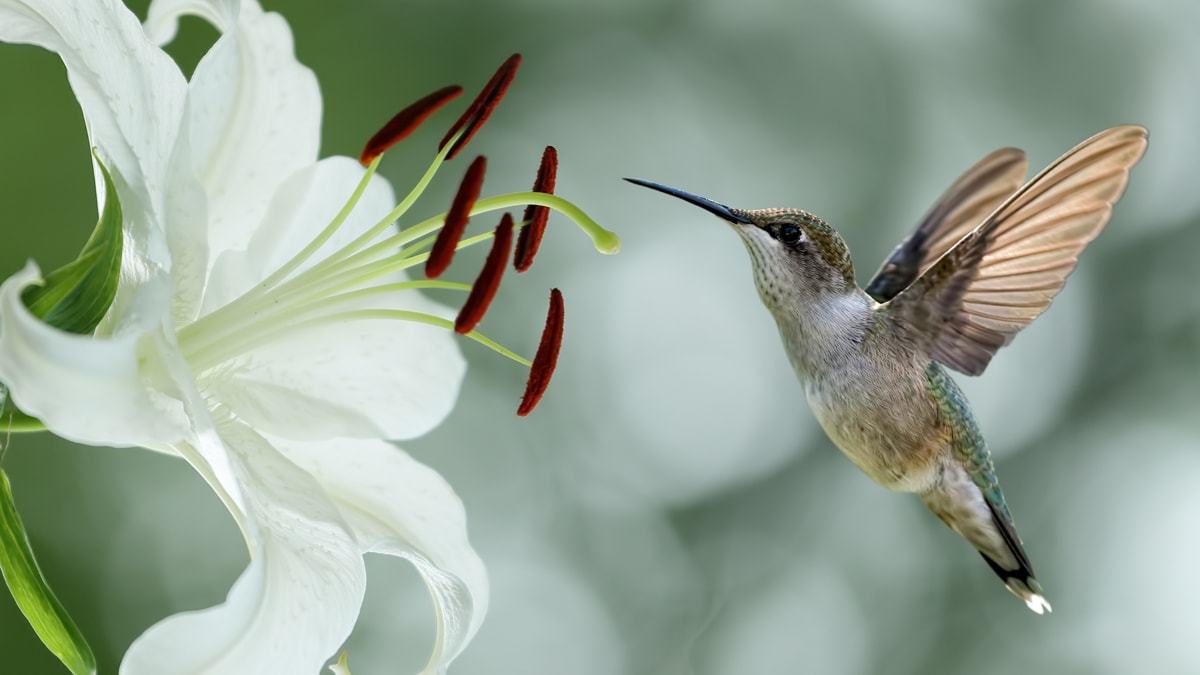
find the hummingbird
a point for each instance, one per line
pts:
(986, 260)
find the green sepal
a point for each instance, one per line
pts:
(76, 296)
(33, 595)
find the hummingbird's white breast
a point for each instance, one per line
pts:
(868, 392)
(886, 426)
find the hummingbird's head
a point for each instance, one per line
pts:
(795, 254)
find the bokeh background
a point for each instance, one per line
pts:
(672, 506)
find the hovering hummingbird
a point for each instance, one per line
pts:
(986, 261)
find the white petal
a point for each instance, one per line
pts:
(162, 19)
(357, 379)
(101, 391)
(185, 233)
(299, 210)
(297, 600)
(253, 113)
(398, 506)
(130, 91)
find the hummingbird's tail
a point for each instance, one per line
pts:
(1019, 580)
(984, 522)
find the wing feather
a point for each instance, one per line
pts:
(956, 213)
(1002, 275)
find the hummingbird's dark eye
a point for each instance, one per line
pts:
(789, 234)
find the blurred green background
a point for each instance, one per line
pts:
(672, 507)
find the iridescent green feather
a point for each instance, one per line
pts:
(967, 440)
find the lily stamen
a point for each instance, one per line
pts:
(211, 352)
(547, 356)
(456, 219)
(536, 216)
(488, 282)
(481, 108)
(406, 121)
(336, 286)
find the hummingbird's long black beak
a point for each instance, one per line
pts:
(707, 204)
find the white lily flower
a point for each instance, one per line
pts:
(279, 401)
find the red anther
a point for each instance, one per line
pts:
(489, 279)
(405, 122)
(481, 108)
(535, 217)
(444, 246)
(546, 357)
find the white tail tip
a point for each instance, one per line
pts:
(1037, 603)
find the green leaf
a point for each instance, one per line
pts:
(76, 296)
(33, 594)
(73, 298)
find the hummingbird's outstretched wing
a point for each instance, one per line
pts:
(961, 209)
(1001, 276)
